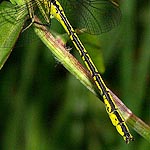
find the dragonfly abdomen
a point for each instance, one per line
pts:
(111, 108)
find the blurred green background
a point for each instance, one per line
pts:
(44, 107)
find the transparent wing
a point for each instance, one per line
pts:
(11, 13)
(15, 13)
(97, 16)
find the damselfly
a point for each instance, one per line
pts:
(97, 16)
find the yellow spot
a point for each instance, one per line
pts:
(108, 106)
(114, 119)
(119, 129)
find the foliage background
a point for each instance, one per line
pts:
(42, 106)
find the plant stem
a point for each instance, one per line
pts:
(74, 67)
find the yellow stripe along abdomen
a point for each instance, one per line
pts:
(111, 108)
